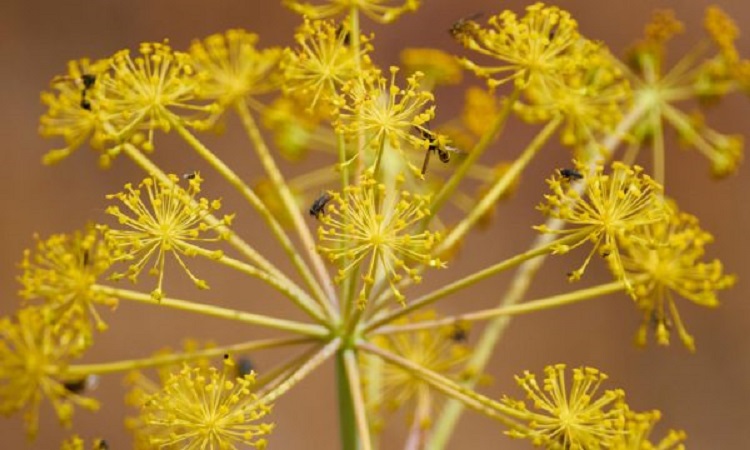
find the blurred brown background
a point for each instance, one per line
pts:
(706, 393)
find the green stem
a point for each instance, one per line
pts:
(500, 186)
(217, 311)
(494, 330)
(493, 133)
(299, 297)
(347, 419)
(512, 310)
(79, 370)
(290, 204)
(276, 229)
(469, 280)
(358, 401)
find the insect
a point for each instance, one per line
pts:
(570, 174)
(459, 333)
(318, 206)
(189, 175)
(80, 385)
(244, 367)
(464, 26)
(85, 81)
(437, 146)
(101, 444)
(343, 33)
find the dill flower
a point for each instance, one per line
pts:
(377, 10)
(73, 109)
(231, 68)
(151, 91)
(591, 99)
(535, 48)
(386, 114)
(436, 350)
(369, 220)
(203, 407)
(61, 272)
(638, 429)
(438, 67)
(612, 205)
(666, 258)
(480, 110)
(33, 360)
(563, 417)
(292, 127)
(323, 62)
(171, 222)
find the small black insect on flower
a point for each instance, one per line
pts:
(318, 206)
(570, 174)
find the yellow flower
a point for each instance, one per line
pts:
(435, 349)
(294, 130)
(201, 407)
(438, 67)
(33, 360)
(76, 443)
(152, 91)
(666, 258)
(694, 76)
(480, 110)
(639, 427)
(569, 418)
(537, 48)
(73, 111)
(323, 62)
(386, 114)
(230, 68)
(369, 220)
(591, 99)
(377, 10)
(171, 222)
(61, 272)
(611, 206)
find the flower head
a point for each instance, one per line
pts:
(370, 221)
(436, 350)
(534, 49)
(62, 272)
(171, 222)
(33, 360)
(323, 62)
(154, 90)
(204, 407)
(638, 429)
(73, 110)
(230, 67)
(667, 260)
(438, 67)
(378, 10)
(563, 417)
(386, 114)
(611, 206)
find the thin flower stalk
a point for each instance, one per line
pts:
(257, 203)
(493, 133)
(77, 370)
(501, 186)
(530, 306)
(277, 178)
(360, 412)
(217, 311)
(494, 330)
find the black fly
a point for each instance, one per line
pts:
(318, 206)
(465, 26)
(571, 174)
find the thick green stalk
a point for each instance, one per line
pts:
(347, 419)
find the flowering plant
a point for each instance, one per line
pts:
(372, 223)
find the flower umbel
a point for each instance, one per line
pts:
(231, 68)
(61, 272)
(369, 220)
(569, 418)
(201, 407)
(667, 259)
(612, 205)
(377, 10)
(639, 427)
(33, 359)
(171, 222)
(323, 62)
